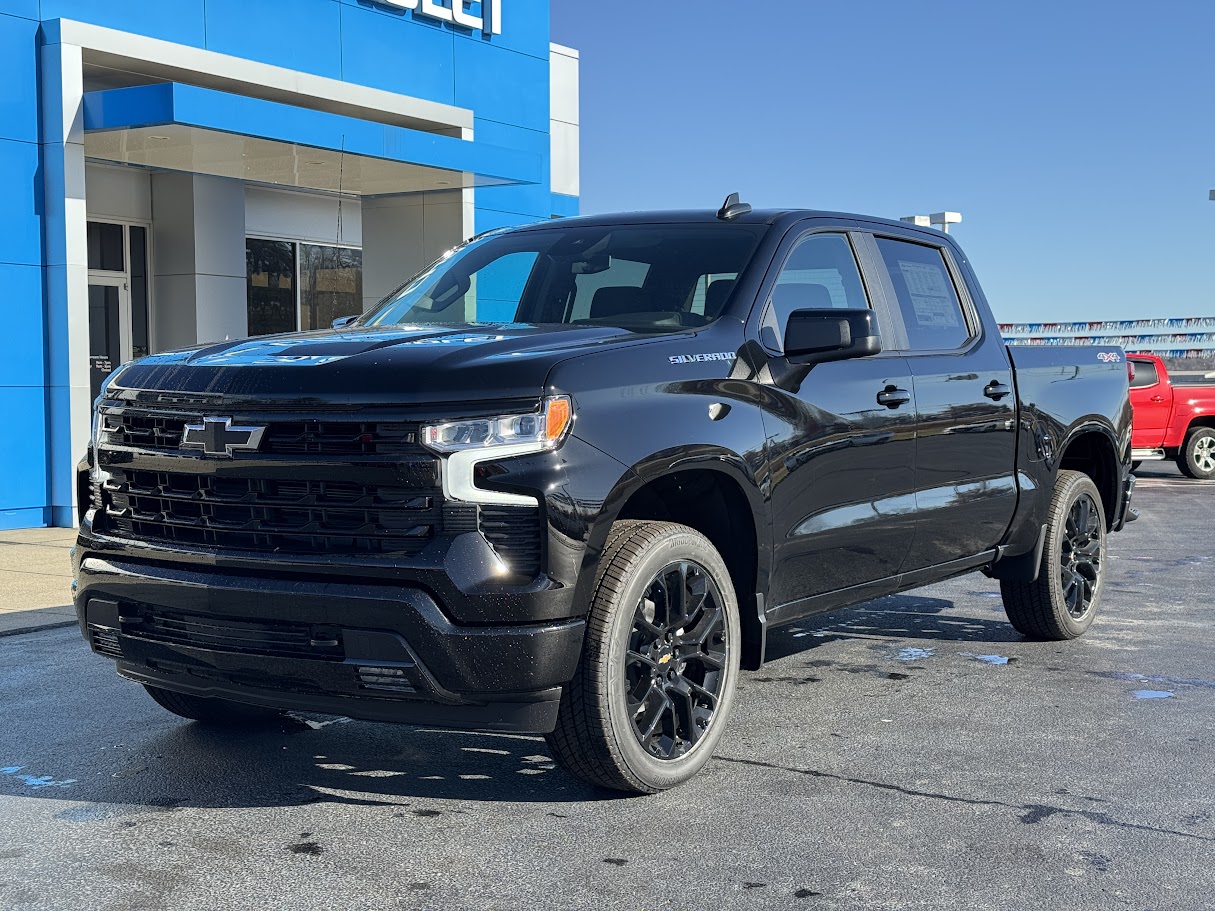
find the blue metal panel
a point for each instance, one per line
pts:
(23, 363)
(502, 86)
(20, 203)
(489, 219)
(19, 76)
(525, 26)
(24, 518)
(535, 201)
(155, 105)
(564, 205)
(397, 53)
(24, 467)
(181, 21)
(297, 34)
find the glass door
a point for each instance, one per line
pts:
(109, 327)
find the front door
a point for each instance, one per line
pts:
(840, 442)
(109, 327)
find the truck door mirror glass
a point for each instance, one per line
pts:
(816, 336)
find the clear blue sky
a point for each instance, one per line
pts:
(1076, 137)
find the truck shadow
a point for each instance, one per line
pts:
(157, 764)
(896, 617)
(303, 760)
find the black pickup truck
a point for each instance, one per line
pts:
(581, 520)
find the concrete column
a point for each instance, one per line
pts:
(402, 235)
(67, 292)
(198, 231)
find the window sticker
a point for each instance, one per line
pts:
(932, 298)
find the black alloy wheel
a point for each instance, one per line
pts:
(1062, 599)
(1080, 555)
(677, 660)
(659, 669)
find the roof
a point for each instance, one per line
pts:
(708, 216)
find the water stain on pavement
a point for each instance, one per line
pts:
(307, 848)
(914, 653)
(796, 681)
(36, 782)
(615, 861)
(1156, 678)
(989, 659)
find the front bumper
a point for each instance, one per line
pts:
(381, 652)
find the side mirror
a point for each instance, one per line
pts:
(817, 336)
(343, 321)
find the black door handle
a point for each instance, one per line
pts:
(892, 397)
(996, 391)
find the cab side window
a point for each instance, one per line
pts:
(928, 300)
(820, 274)
(1145, 374)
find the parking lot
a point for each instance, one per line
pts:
(912, 753)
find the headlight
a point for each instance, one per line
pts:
(98, 476)
(98, 425)
(464, 444)
(545, 430)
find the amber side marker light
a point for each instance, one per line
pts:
(558, 414)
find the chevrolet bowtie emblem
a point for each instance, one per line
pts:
(664, 659)
(218, 437)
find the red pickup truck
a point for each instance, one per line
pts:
(1171, 422)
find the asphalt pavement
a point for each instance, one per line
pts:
(913, 753)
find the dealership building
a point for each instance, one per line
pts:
(200, 170)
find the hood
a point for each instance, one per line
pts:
(396, 365)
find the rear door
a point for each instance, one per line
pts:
(1152, 401)
(840, 437)
(966, 489)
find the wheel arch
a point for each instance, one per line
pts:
(714, 492)
(1092, 450)
(1202, 420)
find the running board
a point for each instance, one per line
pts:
(1148, 455)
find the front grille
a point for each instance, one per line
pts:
(162, 432)
(268, 638)
(387, 503)
(514, 532)
(305, 516)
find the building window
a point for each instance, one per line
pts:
(270, 265)
(105, 244)
(331, 284)
(301, 286)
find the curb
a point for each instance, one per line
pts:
(37, 628)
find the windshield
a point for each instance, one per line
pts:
(639, 277)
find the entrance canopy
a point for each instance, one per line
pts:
(176, 127)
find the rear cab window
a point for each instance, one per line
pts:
(928, 301)
(1145, 374)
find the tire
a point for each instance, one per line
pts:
(222, 712)
(650, 699)
(1075, 551)
(1197, 456)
